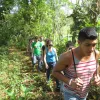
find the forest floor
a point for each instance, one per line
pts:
(26, 61)
(41, 90)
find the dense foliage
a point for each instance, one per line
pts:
(20, 20)
(18, 82)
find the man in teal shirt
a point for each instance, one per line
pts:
(36, 53)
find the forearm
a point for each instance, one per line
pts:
(97, 72)
(60, 76)
(45, 62)
(56, 58)
(32, 51)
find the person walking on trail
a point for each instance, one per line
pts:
(50, 59)
(29, 49)
(43, 49)
(80, 66)
(42, 43)
(69, 45)
(36, 55)
(41, 40)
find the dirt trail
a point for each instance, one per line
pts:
(26, 61)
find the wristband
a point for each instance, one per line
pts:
(70, 81)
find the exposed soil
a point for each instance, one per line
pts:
(26, 61)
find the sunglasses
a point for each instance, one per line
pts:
(50, 45)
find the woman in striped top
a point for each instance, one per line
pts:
(80, 66)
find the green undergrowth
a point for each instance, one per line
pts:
(18, 82)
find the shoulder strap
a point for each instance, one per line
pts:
(43, 48)
(74, 61)
(46, 49)
(53, 49)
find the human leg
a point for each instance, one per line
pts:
(57, 81)
(48, 72)
(68, 96)
(39, 63)
(34, 60)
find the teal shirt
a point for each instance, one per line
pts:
(50, 55)
(37, 48)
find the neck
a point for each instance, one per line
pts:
(81, 54)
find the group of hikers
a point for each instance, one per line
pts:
(75, 68)
(43, 53)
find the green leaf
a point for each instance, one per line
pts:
(23, 88)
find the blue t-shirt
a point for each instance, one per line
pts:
(50, 55)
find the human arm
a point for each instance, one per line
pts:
(42, 51)
(32, 49)
(44, 58)
(59, 67)
(63, 63)
(56, 54)
(97, 73)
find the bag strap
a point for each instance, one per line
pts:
(43, 48)
(74, 61)
(75, 64)
(53, 49)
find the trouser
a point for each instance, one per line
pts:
(71, 96)
(48, 71)
(34, 61)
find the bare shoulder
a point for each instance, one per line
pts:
(66, 58)
(63, 62)
(97, 53)
(54, 49)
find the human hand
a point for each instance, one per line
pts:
(97, 80)
(46, 66)
(77, 83)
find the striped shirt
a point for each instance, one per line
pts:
(85, 71)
